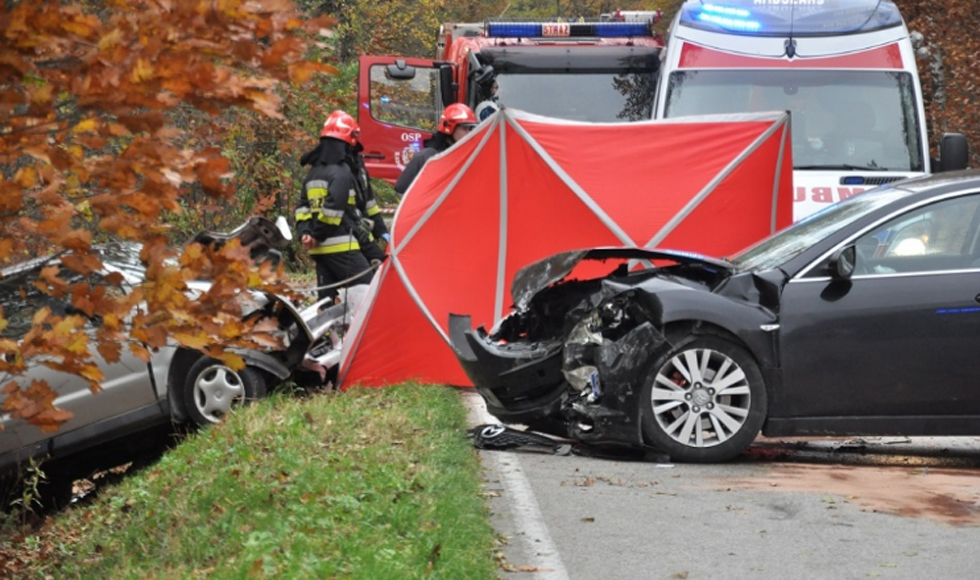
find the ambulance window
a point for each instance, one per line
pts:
(405, 102)
(840, 119)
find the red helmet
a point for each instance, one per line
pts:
(455, 115)
(340, 125)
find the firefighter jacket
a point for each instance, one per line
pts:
(367, 204)
(437, 144)
(328, 193)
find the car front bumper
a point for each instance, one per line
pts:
(525, 383)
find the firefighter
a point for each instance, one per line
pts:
(489, 106)
(371, 231)
(323, 222)
(456, 122)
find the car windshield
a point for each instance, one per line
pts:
(20, 298)
(595, 97)
(840, 119)
(777, 249)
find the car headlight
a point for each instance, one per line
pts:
(578, 359)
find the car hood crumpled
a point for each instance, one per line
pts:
(532, 278)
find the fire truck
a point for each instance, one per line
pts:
(844, 69)
(604, 69)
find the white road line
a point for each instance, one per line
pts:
(536, 540)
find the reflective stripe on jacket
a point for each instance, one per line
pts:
(318, 196)
(328, 192)
(337, 244)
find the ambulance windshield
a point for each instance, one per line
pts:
(863, 120)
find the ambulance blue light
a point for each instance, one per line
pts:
(790, 17)
(728, 18)
(852, 180)
(726, 10)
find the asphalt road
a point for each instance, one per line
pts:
(815, 508)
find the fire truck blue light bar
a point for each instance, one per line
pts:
(567, 29)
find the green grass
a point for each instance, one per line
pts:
(372, 483)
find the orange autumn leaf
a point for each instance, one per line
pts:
(196, 341)
(49, 420)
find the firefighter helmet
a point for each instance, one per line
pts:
(340, 125)
(455, 115)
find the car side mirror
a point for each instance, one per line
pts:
(954, 152)
(843, 262)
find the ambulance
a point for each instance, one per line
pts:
(603, 69)
(844, 69)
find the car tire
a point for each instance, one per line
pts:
(212, 389)
(704, 401)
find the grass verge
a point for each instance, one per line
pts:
(371, 483)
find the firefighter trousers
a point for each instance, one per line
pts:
(333, 268)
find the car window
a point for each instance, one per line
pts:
(20, 300)
(937, 237)
(776, 250)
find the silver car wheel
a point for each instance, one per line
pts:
(701, 397)
(216, 389)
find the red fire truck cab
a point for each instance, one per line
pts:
(605, 70)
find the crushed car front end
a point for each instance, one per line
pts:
(571, 359)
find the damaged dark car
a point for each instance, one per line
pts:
(862, 319)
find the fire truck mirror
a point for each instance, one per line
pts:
(447, 87)
(483, 75)
(400, 71)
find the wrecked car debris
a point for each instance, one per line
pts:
(177, 385)
(572, 362)
(495, 436)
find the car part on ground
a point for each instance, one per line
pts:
(503, 437)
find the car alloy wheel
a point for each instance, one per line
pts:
(705, 401)
(212, 389)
